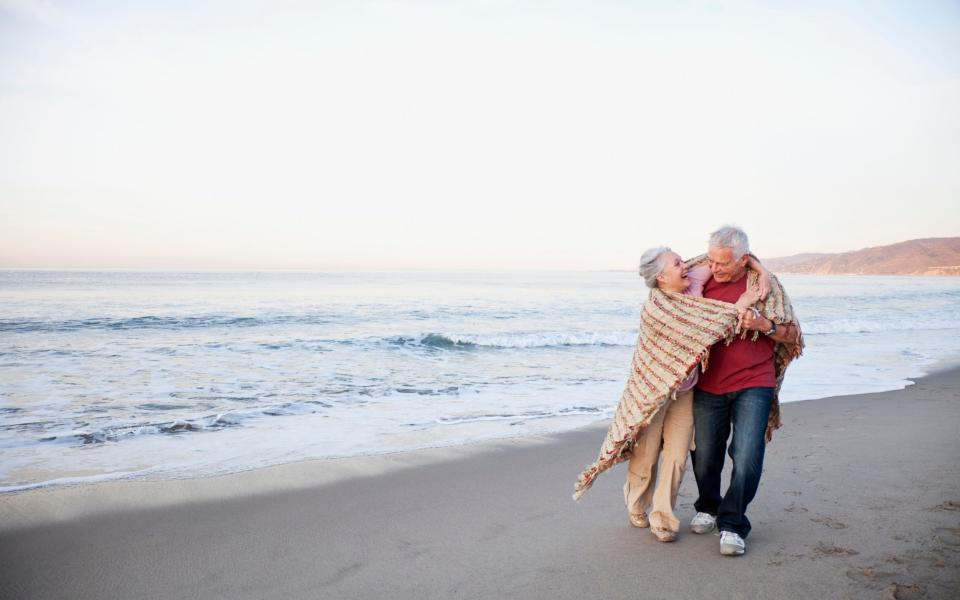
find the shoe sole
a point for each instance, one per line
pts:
(731, 550)
(665, 537)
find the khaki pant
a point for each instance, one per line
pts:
(672, 430)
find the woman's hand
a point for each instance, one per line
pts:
(763, 280)
(763, 275)
(746, 300)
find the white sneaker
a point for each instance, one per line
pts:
(703, 523)
(731, 544)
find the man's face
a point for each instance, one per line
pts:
(723, 266)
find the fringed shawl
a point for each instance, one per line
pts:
(676, 333)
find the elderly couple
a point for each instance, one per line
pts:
(716, 336)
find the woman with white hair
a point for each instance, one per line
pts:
(668, 436)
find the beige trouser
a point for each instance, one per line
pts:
(671, 429)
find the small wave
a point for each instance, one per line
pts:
(26, 426)
(432, 340)
(894, 323)
(155, 322)
(522, 416)
(540, 339)
(297, 344)
(453, 389)
(442, 341)
(118, 433)
(121, 432)
(178, 426)
(549, 339)
(161, 407)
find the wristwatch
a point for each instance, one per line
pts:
(773, 329)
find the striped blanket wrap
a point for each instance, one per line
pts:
(676, 332)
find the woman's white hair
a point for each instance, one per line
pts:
(730, 236)
(651, 265)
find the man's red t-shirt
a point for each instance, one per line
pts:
(744, 363)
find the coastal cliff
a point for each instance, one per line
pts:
(929, 256)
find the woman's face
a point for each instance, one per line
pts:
(673, 277)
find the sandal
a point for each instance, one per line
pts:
(639, 520)
(663, 534)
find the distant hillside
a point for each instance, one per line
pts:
(930, 256)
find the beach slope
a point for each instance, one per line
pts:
(860, 498)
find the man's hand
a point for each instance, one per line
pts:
(753, 321)
(743, 304)
(769, 434)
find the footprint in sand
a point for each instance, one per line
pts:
(934, 557)
(949, 535)
(823, 550)
(948, 505)
(901, 591)
(868, 575)
(780, 558)
(792, 493)
(795, 509)
(831, 523)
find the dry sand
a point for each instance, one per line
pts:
(860, 498)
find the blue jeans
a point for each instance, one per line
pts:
(747, 411)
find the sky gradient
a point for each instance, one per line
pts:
(485, 134)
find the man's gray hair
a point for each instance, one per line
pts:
(730, 236)
(651, 265)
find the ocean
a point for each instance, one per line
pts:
(161, 374)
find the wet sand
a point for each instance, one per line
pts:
(860, 498)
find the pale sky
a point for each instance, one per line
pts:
(470, 134)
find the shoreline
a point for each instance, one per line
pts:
(338, 469)
(42, 503)
(860, 497)
(50, 504)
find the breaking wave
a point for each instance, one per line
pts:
(539, 339)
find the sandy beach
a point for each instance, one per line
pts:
(860, 498)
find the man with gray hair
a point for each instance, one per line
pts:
(735, 392)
